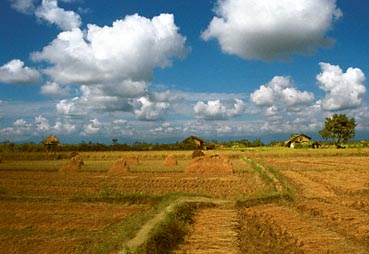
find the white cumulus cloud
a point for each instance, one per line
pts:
(93, 127)
(42, 124)
(52, 13)
(114, 65)
(281, 92)
(148, 110)
(14, 72)
(128, 50)
(93, 99)
(269, 29)
(216, 110)
(344, 90)
(55, 90)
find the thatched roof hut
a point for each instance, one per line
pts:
(195, 141)
(297, 139)
(51, 142)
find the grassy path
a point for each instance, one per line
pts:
(145, 231)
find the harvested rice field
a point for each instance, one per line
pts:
(275, 201)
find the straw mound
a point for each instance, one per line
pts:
(132, 160)
(210, 164)
(197, 153)
(73, 166)
(119, 167)
(74, 154)
(170, 161)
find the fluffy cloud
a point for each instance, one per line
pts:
(93, 100)
(92, 128)
(114, 65)
(50, 12)
(270, 29)
(344, 90)
(215, 110)
(55, 90)
(15, 72)
(147, 110)
(24, 6)
(281, 93)
(128, 50)
(42, 124)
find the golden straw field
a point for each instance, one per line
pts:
(278, 200)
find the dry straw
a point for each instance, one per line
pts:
(197, 153)
(212, 164)
(170, 161)
(73, 166)
(132, 160)
(119, 167)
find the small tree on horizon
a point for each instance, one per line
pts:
(338, 128)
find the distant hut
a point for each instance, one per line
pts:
(301, 139)
(194, 142)
(51, 143)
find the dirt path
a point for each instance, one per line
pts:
(213, 232)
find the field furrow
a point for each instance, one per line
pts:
(214, 231)
(275, 229)
(346, 221)
(309, 188)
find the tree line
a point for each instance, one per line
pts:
(337, 129)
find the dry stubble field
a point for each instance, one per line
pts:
(323, 206)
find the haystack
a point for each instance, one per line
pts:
(132, 160)
(73, 166)
(74, 154)
(119, 167)
(212, 164)
(197, 153)
(170, 161)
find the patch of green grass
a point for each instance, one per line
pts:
(264, 198)
(169, 233)
(110, 239)
(261, 171)
(267, 175)
(106, 195)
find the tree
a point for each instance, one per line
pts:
(115, 141)
(338, 128)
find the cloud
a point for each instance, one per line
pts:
(147, 110)
(114, 65)
(55, 90)
(42, 124)
(128, 50)
(215, 110)
(50, 12)
(344, 90)
(21, 123)
(270, 29)
(23, 6)
(14, 72)
(92, 128)
(94, 99)
(281, 93)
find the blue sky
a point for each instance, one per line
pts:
(159, 70)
